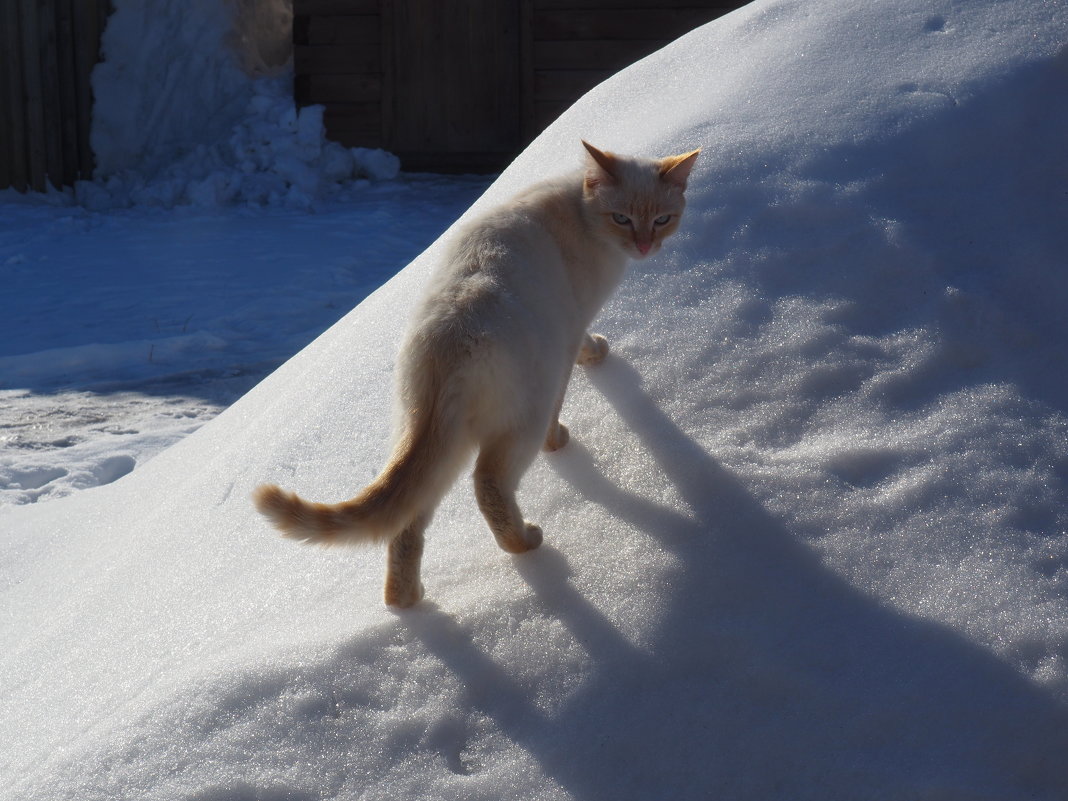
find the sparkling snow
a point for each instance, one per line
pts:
(809, 539)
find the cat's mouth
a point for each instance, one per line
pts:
(641, 250)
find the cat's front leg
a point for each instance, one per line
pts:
(557, 437)
(594, 349)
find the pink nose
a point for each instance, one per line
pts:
(643, 247)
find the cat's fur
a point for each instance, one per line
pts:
(489, 354)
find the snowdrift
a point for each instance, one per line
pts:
(808, 540)
(193, 106)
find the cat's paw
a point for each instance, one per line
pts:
(533, 536)
(557, 438)
(521, 541)
(404, 597)
(594, 349)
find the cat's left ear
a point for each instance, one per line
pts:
(676, 169)
(605, 161)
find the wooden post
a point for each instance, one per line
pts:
(48, 49)
(90, 17)
(453, 78)
(12, 124)
(527, 128)
(67, 98)
(33, 98)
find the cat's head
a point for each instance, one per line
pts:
(636, 202)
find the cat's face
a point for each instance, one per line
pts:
(637, 202)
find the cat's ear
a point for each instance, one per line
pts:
(676, 169)
(602, 167)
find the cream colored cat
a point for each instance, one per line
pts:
(489, 354)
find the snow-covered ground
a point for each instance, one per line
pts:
(123, 330)
(809, 539)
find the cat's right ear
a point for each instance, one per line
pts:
(676, 169)
(601, 167)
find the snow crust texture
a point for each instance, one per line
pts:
(809, 539)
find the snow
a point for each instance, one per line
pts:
(169, 316)
(809, 539)
(178, 121)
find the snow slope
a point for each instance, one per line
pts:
(809, 540)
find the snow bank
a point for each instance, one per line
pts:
(808, 540)
(193, 106)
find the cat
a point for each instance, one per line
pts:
(489, 354)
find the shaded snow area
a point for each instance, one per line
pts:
(122, 331)
(809, 539)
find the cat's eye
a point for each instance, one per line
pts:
(620, 219)
(662, 220)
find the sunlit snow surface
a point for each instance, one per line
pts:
(808, 540)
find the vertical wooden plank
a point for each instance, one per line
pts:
(84, 21)
(67, 98)
(51, 94)
(103, 11)
(33, 97)
(527, 126)
(90, 16)
(11, 157)
(456, 78)
(387, 19)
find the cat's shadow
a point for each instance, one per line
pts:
(761, 652)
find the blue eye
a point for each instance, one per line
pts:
(620, 219)
(663, 220)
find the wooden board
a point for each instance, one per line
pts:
(354, 124)
(609, 6)
(48, 49)
(465, 85)
(602, 54)
(454, 76)
(12, 112)
(339, 88)
(339, 30)
(619, 25)
(337, 59)
(302, 8)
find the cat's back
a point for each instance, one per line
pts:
(536, 211)
(512, 245)
(503, 278)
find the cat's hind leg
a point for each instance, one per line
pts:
(403, 585)
(499, 466)
(594, 349)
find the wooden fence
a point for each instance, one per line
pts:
(47, 52)
(450, 85)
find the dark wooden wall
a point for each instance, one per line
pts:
(47, 52)
(450, 85)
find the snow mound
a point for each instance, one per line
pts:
(275, 155)
(809, 539)
(188, 111)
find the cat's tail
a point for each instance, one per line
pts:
(424, 464)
